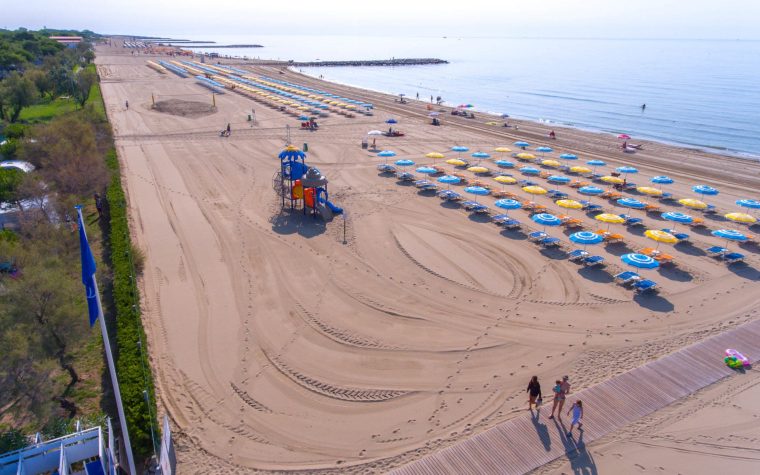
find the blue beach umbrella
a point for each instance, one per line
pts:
(729, 234)
(303, 117)
(391, 121)
(631, 203)
(586, 238)
(508, 204)
(477, 190)
(521, 144)
(530, 170)
(546, 219)
(596, 163)
(705, 190)
(626, 170)
(559, 179)
(747, 203)
(449, 179)
(639, 261)
(590, 190)
(504, 163)
(677, 217)
(404, 162)
(387, 153)
(544, 149)
(459, 149)
(480, 155)
(426, 170)
(662, 180)
(569, 156)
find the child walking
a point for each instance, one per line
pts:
(577, 411)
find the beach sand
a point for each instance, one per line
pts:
(275, 346)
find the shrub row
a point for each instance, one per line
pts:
(131, 360)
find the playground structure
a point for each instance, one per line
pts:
(302, 185)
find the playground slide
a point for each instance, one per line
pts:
(333, 208)
(324, 211)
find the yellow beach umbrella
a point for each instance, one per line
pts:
(525, 156)
(609, 218)
(692, 203)
(502, 149)
(741, 218)
(492, 123)
(303, 108)
(534, 190)
(456, 162)
(550, 163)
(477, 169)
(580, 169)
(327, 100)
(569, 204)
(613, 180)
(434, 155)
(350, 106)
(660, 236)
(505, 180)
(648, 190)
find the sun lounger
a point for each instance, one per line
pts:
(644, 286)
(577, 255)
(439, 169)
(544, 174)
(405, 176)
(610, 238)
(697, 223)
(449, 195)
(593, 261)
(570, 222)
(630, 186)
(481, 184)
(733, 257)
(385, 168)
(683, 237)
(627, 277)
(527, 183)
(716, 251)
(651, 208)
(503, 194)
(578, 184)
(425, 185)
(665, 196)
(556, 194)
(549, 242)
(475, 207)
(537, 236)
(710, 209)
(611, 195)
(631, 221)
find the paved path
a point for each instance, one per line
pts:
(523, 444)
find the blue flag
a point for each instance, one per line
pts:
(88, 271)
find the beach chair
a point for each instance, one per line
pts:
(631, 221)
(385, 168)
(499, 218)
(733, 257)
(475, 207)
(610, 238)
(666, 196)
(627, 277)
(405, 176)
(577, 255)
(697, 223)
(663, 258)
(511, 223)
(710, 209)
(503, 194)
(683, 237)
(645, 286)
(449, 195)
(556, 194)
(570, 222)
(593, 261)
(630, 186)
(544, 174)
(462, 177)
(527, 183)
(425, 185)
(549, 242)
(611, 195)
(578, 184)
(438, 170)
(481, 184)
(652, 208)
(716, 251)
(537, 236)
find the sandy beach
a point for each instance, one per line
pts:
(278, 347)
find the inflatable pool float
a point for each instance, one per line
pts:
(734, 359)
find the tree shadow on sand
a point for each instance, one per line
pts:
(581, 461)
(295, 222)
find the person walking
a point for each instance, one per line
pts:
(557, 390)
(565, 389)
(126, 103)
(228, 128)
(577, 410)
(534, 394)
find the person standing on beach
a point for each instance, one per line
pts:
(577, 411)
(534, 393)
(557, 390)
(565, 387)
(418, 96)
(431, 99)
(643, 106)
(126, 103)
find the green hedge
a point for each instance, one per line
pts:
(131, 362)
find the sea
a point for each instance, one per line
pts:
(698, 93)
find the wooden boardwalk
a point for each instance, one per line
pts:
(523, 444)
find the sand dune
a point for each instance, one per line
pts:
(277, 347)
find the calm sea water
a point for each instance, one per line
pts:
(700, 93)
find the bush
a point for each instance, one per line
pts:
(15, 131)
(130, 359)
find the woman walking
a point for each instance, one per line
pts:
(534, 394)
(577, 411)
(558, 396)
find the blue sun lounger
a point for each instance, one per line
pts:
(644, 286)
(577, 255)
(405, 176)
(593, 261)
(733, 257)
(560, 195)
(505, 221)
(677, 235)
(716, 251)
(425, 185)
(475, 207)
(666, 196)
(449, 195)
(385, 168)
(537, 236)
(549, 242)
(627, 277)
(631, 221)
(710, 209)
(527, 183)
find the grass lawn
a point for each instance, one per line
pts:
(47, 110)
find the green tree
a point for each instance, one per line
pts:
(19, 93)
(10, 180)
(84, 81)
(42, 81)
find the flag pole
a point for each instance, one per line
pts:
(111, 366)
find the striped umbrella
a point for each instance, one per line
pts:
(504, 163)
(639, 261)
(508, 204)
(590, 190)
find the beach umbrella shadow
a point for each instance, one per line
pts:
(553, 253)
(750, 246)
(674, 273)
(479, 218)
(514, 234)
(450, 204)
(655, 303)
(637, 230)
(689, 249)
(745, 271)
(715, 217)
(618, 248)
(702, 231)
(595, 274)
